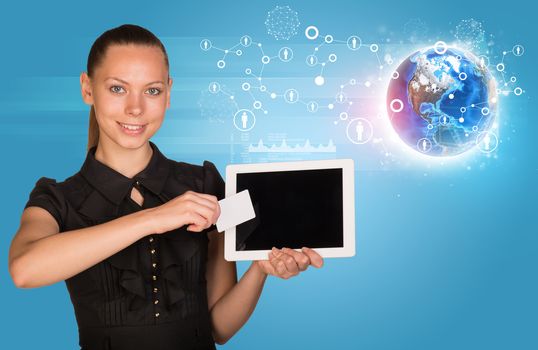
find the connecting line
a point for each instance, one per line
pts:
(378, 60)
(316, 49)
(322, 68)
(261, 72)
(225, 93)
(251, 95)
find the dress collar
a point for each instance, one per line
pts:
(115, 186)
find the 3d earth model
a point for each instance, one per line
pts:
(442, 101)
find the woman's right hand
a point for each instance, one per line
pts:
(197, 210)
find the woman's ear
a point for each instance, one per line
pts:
(168, 92)
(86, 88)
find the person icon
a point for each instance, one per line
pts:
(213, 87)
(244, 119)
(291, 95)
(312, 106)
(518, 50)
(424, 145)
(354, 42)
(245, 41)
(312, 60)
(285, 54)
(205, 44)
(359, 129)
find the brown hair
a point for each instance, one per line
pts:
(122, 35)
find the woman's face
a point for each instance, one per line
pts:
(130, 91)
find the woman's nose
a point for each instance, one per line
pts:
(134, 104)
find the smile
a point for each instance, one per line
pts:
(132, 128)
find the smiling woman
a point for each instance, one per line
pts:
(128, 96)
(133, 233)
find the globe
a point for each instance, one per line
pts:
(442, 101)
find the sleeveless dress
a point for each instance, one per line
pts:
(152, 294)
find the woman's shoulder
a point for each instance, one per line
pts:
(68, 185)
(49, 183)
(59, 192)
(52, 195)
(206, 176)
(185, 169)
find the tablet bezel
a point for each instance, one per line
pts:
(348, 205)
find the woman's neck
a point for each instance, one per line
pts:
(126, 161)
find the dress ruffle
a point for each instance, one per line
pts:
(178, 255)
(130, 278)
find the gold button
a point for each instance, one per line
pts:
(151, 239)
(157, 314)
(152, 251)
(155, 290)
(154, 277)
(156, 301)
(154, 265)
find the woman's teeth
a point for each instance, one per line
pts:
(132, 127)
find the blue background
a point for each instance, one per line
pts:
(446, 257)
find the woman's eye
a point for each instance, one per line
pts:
(154, 91)
(116, 89)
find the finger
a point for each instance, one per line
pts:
(197, 222)
(289, 262)
(207, 213)
(204, 196)
(315, 259)
(213, 203)
(206, 200)
(279, 266)
(301, 259)
(207, 196)
(267, 266)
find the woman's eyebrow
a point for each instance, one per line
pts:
(126, 83)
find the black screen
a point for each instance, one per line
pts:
(294, 209)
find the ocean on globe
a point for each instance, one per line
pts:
(442, 101)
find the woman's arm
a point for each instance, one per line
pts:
(230, 302)
(39, 256)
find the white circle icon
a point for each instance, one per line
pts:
(244, 120)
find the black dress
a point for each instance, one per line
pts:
(152, 294)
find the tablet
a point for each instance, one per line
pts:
(297, 204)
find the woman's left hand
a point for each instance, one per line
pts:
(286, 262)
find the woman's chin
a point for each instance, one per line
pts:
(130, 142)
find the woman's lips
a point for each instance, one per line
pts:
(132, 129)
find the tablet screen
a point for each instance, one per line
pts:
(294, 209)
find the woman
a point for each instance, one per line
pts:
(138, 249)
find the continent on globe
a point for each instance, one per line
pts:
(442, 102)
